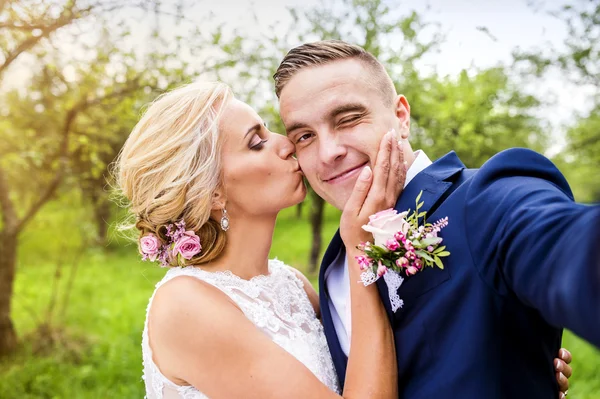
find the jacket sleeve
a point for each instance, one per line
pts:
(528, 237)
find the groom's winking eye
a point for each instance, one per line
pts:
(341, 117)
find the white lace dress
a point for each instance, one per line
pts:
(276, 303)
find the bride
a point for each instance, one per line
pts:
(205, 180)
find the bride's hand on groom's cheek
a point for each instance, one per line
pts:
(563, 371)
(374, 191)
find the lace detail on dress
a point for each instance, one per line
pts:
(276, 303)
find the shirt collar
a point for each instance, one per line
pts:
(421, 162)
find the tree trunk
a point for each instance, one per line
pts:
(102, 216)
(316, 223)
(8, 257)
(299, 210)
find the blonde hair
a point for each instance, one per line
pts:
(170, 165)
(327, 51)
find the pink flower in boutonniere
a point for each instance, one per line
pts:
(403, 243)
(384, 225)
(402, 262)
(381, 270)
(392, 244)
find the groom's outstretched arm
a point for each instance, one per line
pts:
(528, 236)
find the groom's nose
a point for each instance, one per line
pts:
(331, 149)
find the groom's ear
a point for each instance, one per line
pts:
(402, 110)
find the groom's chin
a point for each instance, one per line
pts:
(339, 199)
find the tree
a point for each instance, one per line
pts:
(24, 27)
(48, 133)
(81, 103)
(475, 115)
(578, 61)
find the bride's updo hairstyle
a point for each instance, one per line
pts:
(170, 167)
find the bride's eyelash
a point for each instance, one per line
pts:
(258, 146)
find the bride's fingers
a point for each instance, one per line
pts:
(359, 193)
(381, 172)
(397, 173)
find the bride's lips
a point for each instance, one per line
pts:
(347, 174)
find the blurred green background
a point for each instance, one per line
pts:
(75, 75)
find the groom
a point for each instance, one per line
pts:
(525, 257)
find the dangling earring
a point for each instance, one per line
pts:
(224, 221)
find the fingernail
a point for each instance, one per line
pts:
(561, 376)
(563, 353)
(365, 174)
(562, 396)
(557, 365)
(405, 166)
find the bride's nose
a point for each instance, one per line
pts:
(285, 148)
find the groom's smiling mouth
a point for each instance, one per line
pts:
(345, 175)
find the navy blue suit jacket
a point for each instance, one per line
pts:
(524, 263)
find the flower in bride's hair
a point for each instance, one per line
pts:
(386, 224)
(149, 247)
(187, 245)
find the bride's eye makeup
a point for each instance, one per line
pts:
(256, 134)
(256, 142)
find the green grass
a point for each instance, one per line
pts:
(101, 356)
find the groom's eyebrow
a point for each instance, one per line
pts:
(345, 108)
(295, 126)
(341, 109)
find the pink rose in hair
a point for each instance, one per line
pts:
(188, 245)
(149, 246)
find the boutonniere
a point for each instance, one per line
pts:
(403, 245)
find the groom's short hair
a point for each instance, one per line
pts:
(327, 51)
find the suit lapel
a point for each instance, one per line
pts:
(340, 359)
(435, 182)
